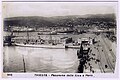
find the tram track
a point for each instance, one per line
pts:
(100, 64)
(109, 63)
(107, 58)
(113, 55)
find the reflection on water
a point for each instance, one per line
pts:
(40, 60)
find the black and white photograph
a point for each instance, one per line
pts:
(59, 37)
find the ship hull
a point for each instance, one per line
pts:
(47, 46)
(41, 46)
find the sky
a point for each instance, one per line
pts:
(49, 9)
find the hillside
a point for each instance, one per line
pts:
(64, 21)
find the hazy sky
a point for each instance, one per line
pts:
(48, 9)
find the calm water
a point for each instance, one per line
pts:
(40, 60)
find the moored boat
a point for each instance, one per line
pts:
(59, 46)
(41, 46)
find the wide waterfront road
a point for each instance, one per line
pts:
(101, 51)
(106, 59)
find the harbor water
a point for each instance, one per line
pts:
(44, 60)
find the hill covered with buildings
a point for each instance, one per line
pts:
(71, 21)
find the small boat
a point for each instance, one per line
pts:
(75, 47)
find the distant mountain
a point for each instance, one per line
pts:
(86, 16)
(27, 21)
(112, 16)
(65, 21)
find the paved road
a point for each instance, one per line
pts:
(110, 59)
(102, 53)
(106, 57)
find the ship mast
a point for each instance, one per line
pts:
(27, 35)
(50, 38)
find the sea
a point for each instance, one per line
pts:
(43, 60)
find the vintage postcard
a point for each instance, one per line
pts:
(65, 38)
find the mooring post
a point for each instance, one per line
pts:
(24, 67)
